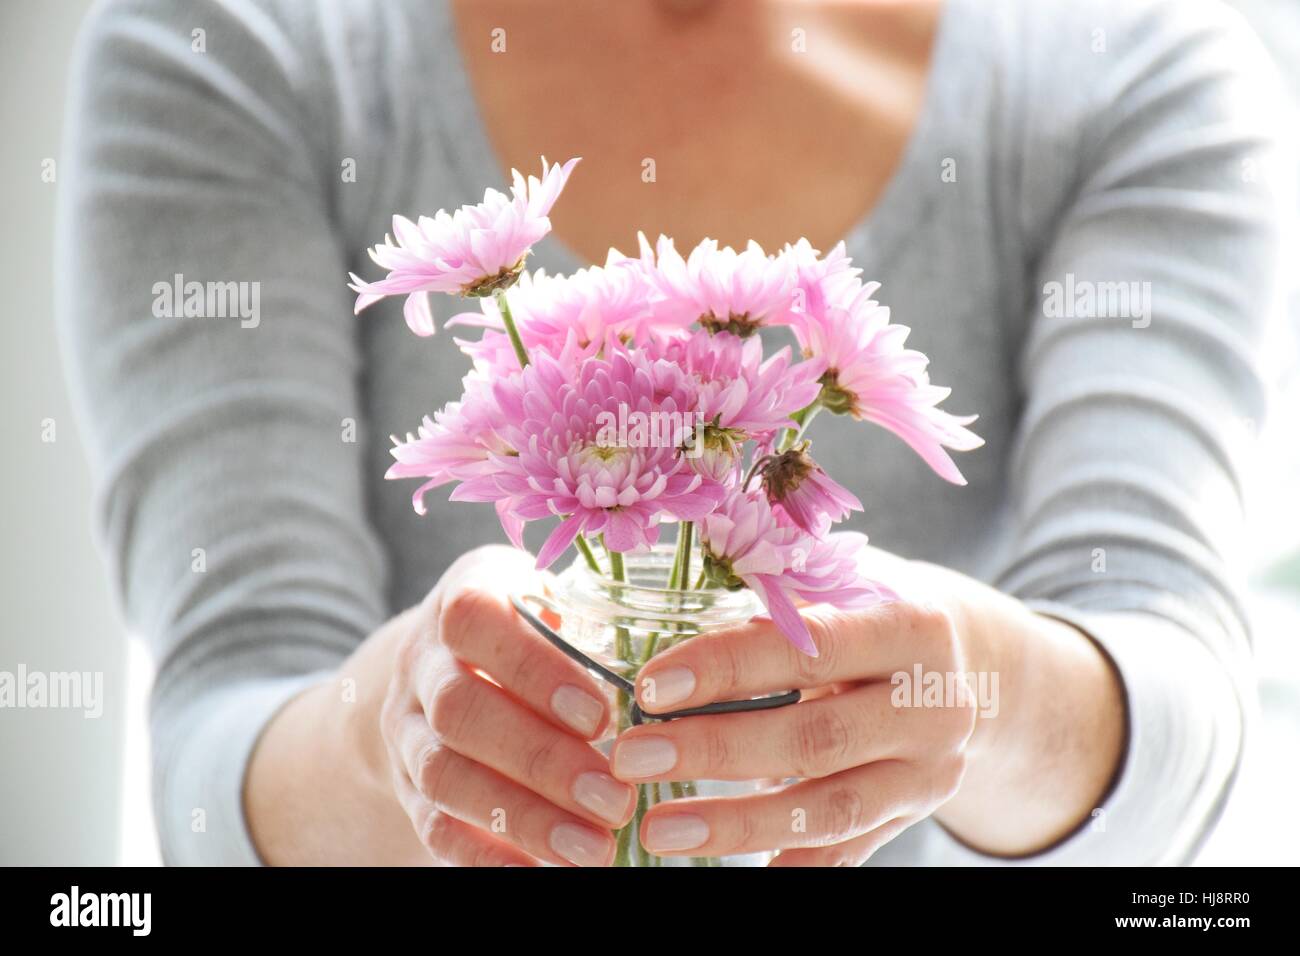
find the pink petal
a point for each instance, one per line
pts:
(783, 612)
(511, 523)
(559, 540)
(419, 317)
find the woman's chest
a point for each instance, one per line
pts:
(727, 126)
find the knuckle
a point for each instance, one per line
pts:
(484, 854)
(933, 628)
(529, 666)
(846, 813)
(725, 664)
(948, 777)
(408, 652)
(809, 669)
(539, 759)
(745, 831)
(964, 716)
(465, 613)
(435, 832)
(822, 740)
(720, 751)
(452, 706)
(431, 766)
(388, 715)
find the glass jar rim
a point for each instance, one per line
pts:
(600, 597)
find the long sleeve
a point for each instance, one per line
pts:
(1152, 305)
(224, 428)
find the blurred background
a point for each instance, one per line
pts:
(75, 790)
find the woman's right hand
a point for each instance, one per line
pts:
(487, 729)
(461, 737)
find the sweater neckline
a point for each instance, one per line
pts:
(881, 229)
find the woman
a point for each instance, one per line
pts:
(1005, 168)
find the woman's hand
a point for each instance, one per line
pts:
(870, 759)
(467, 743)
(868, 769)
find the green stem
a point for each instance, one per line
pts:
(656, 797)
(684, 541)
(623, 839)
(616, 570)
(803, 418)
(520, 352)
(585, 550)
(642, 804)
(651, 643)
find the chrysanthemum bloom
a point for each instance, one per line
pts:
(474, 251)
(591, 305)
(739, 394)
(723, 290)
(801, 491)
(567, 465)
(871, 376)
(819, 281)
(458, 443)
(745, 546)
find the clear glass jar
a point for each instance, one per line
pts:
(622, 626)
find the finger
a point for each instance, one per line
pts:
(482, 630)
(812, 813)
(756, 658)
(853, 852)
(480, 721)
(449, 841)
(488, 801)
(813, 738)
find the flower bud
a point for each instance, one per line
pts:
(714, 452)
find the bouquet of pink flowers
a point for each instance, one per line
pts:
(625, 396)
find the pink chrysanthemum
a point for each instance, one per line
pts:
(462, 441)
(871, 376)
(570, 464)
(453, 445)
(745, 546)
(801, 491)
(474, 251)
(738, 393)
(591, 305)
(720, 288)
(819, 281)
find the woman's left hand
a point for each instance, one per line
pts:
(869, 769)
(869, 763)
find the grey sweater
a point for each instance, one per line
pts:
(1065, 150)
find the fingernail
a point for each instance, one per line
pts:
(580, 845)
(677, 831)
(670, 686)
(603, 795)
(644, 757)
(577, 709)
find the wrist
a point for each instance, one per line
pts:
(318, 790)
(1036, 769)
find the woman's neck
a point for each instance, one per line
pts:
(765, 121)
